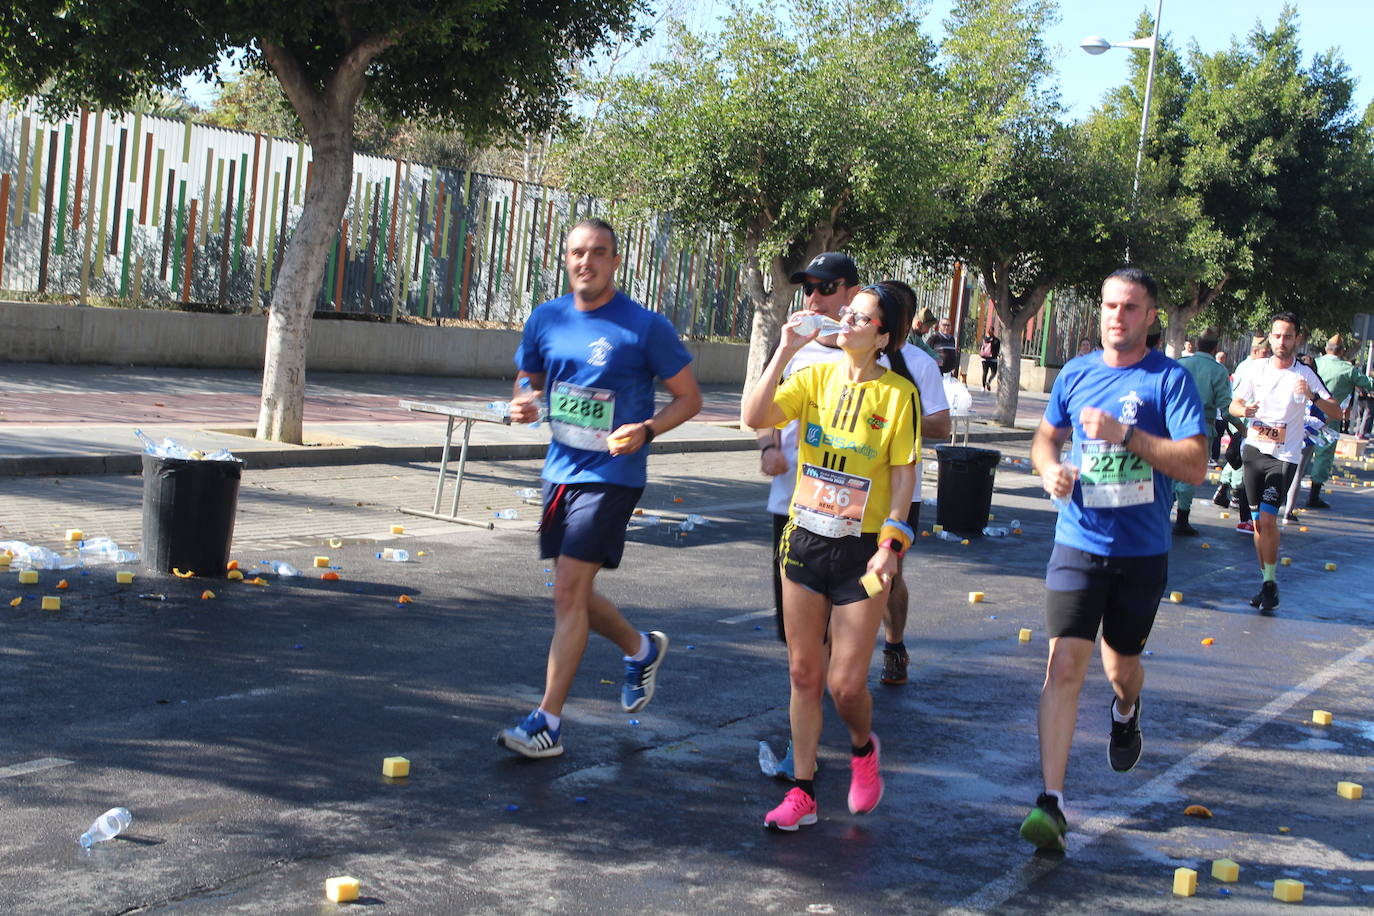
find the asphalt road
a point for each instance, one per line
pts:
(246, 733)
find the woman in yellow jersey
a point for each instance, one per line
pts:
(859, 434)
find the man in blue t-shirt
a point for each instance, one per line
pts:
(1136, 421)
(592, 357)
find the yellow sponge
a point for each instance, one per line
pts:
(871, 583)
(1024, 635)
(1288, 890)
(1176, 597)
(1185, 882)
(75, 534)
(1321, 717)
(5, 560)
(1351, 790)
(1286, 561)
(1225, 870)
(28, 577)
(975, 597)
(52, 603)
(398, 529)
(124, 577)
(321, 562)
(341, 889)
(1330, 567)
(395, 767)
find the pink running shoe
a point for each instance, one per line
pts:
(1246, 527)
(865, 782)
(797, 810)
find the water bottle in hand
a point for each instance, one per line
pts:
(526, 388)
(1063, 502)
(810, 324)
(106, 827)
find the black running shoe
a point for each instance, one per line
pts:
(1222, 497)
(1123, 750)
(1045, 826)
(1183, 529)
(894, 667)
(1268, 598)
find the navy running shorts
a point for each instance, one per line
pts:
(586, 521)
(828, 566)
(1267, 479)
(1119, 594)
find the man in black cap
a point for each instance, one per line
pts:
(829, 283)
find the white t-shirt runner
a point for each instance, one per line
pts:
(1277, 426)
(925, 372)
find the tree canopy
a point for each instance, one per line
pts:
(487, 66)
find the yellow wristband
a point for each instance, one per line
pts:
(897, 534)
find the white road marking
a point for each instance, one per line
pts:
(752, 615)
(33, 766)
(1160, 789)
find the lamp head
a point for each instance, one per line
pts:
(1095, 44)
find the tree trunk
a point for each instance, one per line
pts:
(1180, 315)
(293, 297)
(1014, 313)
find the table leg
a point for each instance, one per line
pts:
(462, 466)
(443, 463)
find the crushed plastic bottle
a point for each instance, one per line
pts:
(94, 551)
(948, 536)
(168, 448)
(281, 567)
(1062, 502)
(649, 521)
(508, 514)
(768, 762)
(395, 555)
(106, 827)
(996, 531)
(530, 495)
(1317, 432)
(32, 556)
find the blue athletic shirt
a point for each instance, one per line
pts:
(1157, 395)
(619, 348)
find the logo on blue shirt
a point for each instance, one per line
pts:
(813, 434)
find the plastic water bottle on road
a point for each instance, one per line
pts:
(106, 827)
(395, 555)
(281, 567)
(508, 514)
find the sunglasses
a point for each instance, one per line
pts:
(824, 287)
(858, 319)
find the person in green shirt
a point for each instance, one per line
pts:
(921, 324)
(1214, 386)
(1341, 378)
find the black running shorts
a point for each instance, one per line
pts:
(828, 566)
(1119, 594)
(1267, 479)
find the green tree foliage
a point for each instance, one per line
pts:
(1025, 203)
(1257, 182)
(796, 137)
(487, 66)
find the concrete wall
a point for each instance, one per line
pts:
(39, 332)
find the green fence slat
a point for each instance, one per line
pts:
(61, 246)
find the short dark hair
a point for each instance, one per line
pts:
(1207, 344)
(1288, 317)
(591, 222)
(1139, 278)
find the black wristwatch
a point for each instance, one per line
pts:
(893, 545)
(648, 432)
(1126, 436)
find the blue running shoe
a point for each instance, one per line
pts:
(787, 767)
(641, 676)
(532, 737)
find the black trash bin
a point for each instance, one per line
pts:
(188, 514)
(965, 492)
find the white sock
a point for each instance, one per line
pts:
(644, 646)
(1058, 796)
(554, 721)
(1118, 717)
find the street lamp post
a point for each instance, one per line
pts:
(1096, 44)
